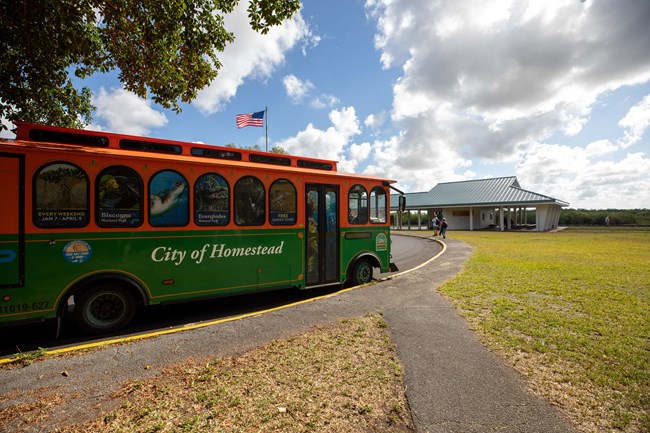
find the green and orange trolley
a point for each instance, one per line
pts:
(107, 223)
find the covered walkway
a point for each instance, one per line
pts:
(499, 204)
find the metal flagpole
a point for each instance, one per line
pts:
(266, 109)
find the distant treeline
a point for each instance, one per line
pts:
(617, 217)
(568, 217)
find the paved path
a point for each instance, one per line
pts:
(453, 383)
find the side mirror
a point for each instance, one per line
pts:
(402, 203)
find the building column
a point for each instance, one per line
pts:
(471, 219)
(501, 218)
(556, 217)
(525, 217)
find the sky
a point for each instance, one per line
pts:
(556, 93)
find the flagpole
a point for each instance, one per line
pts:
(267, 128)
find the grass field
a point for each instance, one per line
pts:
(616, 229)
(571, 311)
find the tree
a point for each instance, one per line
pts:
(275, 149)
(165, 49)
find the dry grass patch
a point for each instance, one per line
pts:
(22, 411)
(344, 378)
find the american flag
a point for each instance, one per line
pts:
(250, 119)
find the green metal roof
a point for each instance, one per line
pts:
(502, 191)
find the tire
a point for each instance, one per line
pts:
(362, 272)
(104, 308)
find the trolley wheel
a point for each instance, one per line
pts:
(104, 308)
(362, 272)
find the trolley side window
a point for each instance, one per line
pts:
(61, 196)
(358, 205)
(282, 203)
(118, 197)
(250, 201)
(168, 200)
(211, 200)
(377, 205)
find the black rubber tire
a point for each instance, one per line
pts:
(362, 272)
(103, 309)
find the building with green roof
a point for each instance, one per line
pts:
(499, 203)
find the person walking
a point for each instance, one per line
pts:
(443, 228)
(435, 225)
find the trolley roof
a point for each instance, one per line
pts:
(53, 137)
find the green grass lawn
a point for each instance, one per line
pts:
(570, 310)
(608, 229)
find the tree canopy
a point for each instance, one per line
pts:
(275, 149)
(163, 49)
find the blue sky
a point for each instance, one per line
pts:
(556, 93)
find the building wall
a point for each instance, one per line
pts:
(484, 218)
(459, 218)
(548, 217)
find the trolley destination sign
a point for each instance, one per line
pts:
(212, 251)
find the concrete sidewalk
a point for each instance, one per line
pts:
(453, 383)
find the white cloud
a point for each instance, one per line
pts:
(600, 147)
(345, 121)
(572, 174)
(636, 121)
(324, 101)
(331, 143)
(371, 121)
(6, 133)
(488, 81)
(296, 88)
(126, 113)
(417, 171)
(252, 55)
(376, 123)
(513, 62)
(359, 152)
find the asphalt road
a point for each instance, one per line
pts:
(407, 251)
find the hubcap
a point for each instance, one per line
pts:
(105, 309)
